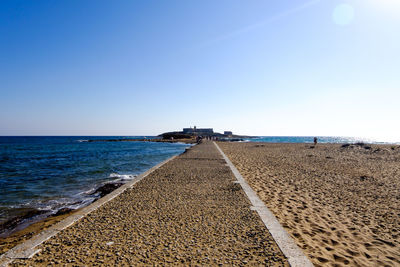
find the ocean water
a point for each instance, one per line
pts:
(51, 173)
(310, 139)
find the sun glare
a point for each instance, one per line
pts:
(388, 6)
(389, 2)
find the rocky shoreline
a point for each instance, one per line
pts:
(30, 221)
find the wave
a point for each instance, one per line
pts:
(123, 177)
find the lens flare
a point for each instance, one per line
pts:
(343, 14)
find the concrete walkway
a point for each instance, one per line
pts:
(189, 212)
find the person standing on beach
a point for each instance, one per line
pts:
(315, 141)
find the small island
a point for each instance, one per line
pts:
(192, 133)
(187, 135)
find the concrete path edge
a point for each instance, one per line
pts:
(28, 248)
(289, 248)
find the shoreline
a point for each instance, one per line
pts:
(35, 221)
(29, 216)
(22, 235)
(28, 238)
(27, 226)
(16, 220)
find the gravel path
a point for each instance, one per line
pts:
(188, 212)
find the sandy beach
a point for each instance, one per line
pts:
(187, 212)
(341, 204)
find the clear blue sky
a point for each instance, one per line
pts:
(254, 67)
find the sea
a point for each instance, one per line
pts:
(310, 139)
(48, 174)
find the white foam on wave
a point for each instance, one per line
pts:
(80, 141)
(83, 203)
(72, 202)
(122, 177)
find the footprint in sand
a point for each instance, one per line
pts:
(367, 255)
(334, 242)
(322, 260)
(341, 259)
(352, 253)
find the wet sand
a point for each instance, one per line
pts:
(187, 212)
(21, 236)
(340, 204)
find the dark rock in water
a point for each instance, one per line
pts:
(107, 188)
(63, 211)
(23, 214)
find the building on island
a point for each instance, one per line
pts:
(195, 130)
(203, 132)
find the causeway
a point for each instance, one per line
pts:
(189, 211)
